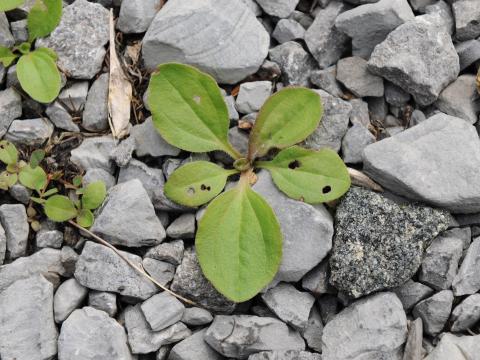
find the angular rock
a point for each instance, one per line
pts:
(278, 8)
(190, 282)
(171, 252)
(379, 244)
(171, 311)
(461, 99)
(324, 40)
(68, 297)
(60, 117)
(79, 39)
(436, 162)
(13, 218)
(285, 355)
(418, 57)
(99, 268)
(161, 271)
(6, 37)
(94, 174)
(19, 31)
(227, 335)
(287, 30)
(3, 244)
(149, 142)
(413, 347)
(360, 114)
(314, 330)
(354, 142)
(395, 95)
(27, 329)
(440, 262)
(137, 15)
(368, 25)
(434, 311)
(194, 348)
(252, 95)
(236, 48)
(455, 347)
(467, 13)
(49, 238)
(102, 300)
(73, 96)
(90, 334)
(352, 72)
(95, 114)
(11, 108)
(182, 227)
(327, 80)
(467, 280)
(123, 152)
(94, 153)
(196, 316)
(317, 280)
(466, 314)
(289, 304)
(143, 340)
(468, 53)
(374, 327)
(31, 132)
(127, 217)
(441, 13)
(307, 230)
(412, 293)
(296, 64)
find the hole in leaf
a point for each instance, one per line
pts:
(190, 191)
(326, 189)
(197, 99)
(294, 164)
(205, 187)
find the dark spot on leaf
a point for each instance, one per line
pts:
(205, 187)
(191, 191)
(326, 189)
(294, 164)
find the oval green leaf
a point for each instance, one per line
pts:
(33, 178)
(7, 56)
(59, 208)
(7, 180)
(43, 18)
(309, 175)
(7, 5)
(196, 183)
(93, 195)
(239, 243)
(36, 158)
(8, 153)
(85, 218)
(39, 77)
(285, 119)
(188, 109)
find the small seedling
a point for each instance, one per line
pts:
(58, 208)
(239, 240)
(37, 71)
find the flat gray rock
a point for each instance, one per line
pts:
(285, 355)
(466, 314)
(316, 281)
(196, 316)
(236, 48)
(99, 268)
(252, 95)
(379, 244)
(60, 117)
(372, 328)
(368, 25)
(278, 8)
(412, 293)
(455, 347)
(94, 153)
(434, 311)
(149, 142)
(13, 218)
(467, 13)
(68, 297)
(468, 53)
(307, 230)
(11, 108)
(30, 132)
(103, 300)
(27, 329)
(171, 252)
(90, 334)
(80, 38)
(287, 30)
(183, 227)
(161, 271)
(171, 311)
(136, 15)
(95, 113)
(194, 348)
(356, 139)
(436, 162)
(3, 244)
(418, 57)
(127, 217)
(227, 335)
(97, 174)
(352, 72)
(467, 280)
(326, 80)
(314, 330)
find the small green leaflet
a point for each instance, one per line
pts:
(33, 178)
(309, 175)
(36, 158)
(188, 109)
(59, 208)
(8, 153)
(85, 218)
(7, 57)
(93, 195)
(7, 5)
(196, 183)
(39, 76)
(43, 18)
(239, 243)
(285, 119)
(7, 180)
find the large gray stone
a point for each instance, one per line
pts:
(27, 329)
(307, 230)
(467, 13)
(466, 314)
(68, 297)
(171, 310)
(368, 25)
(227, 335)
(127, 217)
(287, 30)
(379, 244)
(434, 311)
(194, 348)
(233, 51)
(252, 95)
(171, 252)
(435, 161)
(419, 57)
(324, 40)
(137, 15)
(90, 334)
(149, 142)
(95, 114)
(278, 8)
(190, 282)
(10, 108)
(371, 328)
(80, 38)
(13, 218)
(455, 347)
(94, 153)
(352, 72)
(30, 132)
(467, 280)
(99, 268)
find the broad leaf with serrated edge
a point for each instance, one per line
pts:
(239, 243)
(285, 119)
(188, 109)
(93, 195)
(196, 183)
(309, 175)
(59, 208)
(43, 18)
(39, 77)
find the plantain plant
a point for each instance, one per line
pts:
(239, 240)
(57, 207)
(37, 71)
